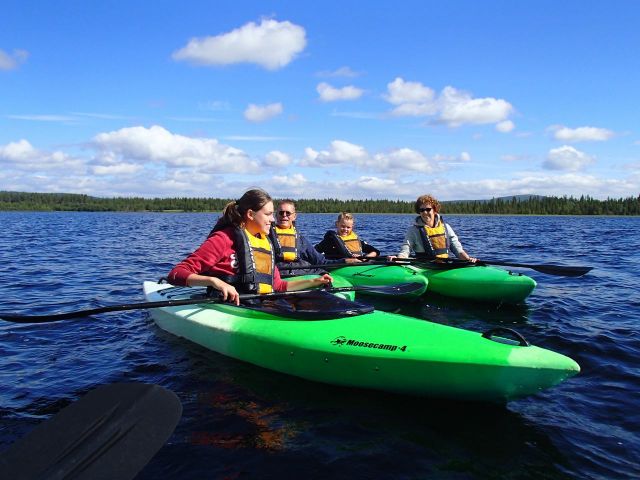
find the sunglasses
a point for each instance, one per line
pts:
(285, 213)
(427, 209)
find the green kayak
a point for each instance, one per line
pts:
(365, 348)
(477, 283)
(380, 275)
(480, 283)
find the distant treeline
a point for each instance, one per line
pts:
(534, 205)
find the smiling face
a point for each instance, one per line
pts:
(260, 221)
(344, 227)
(286, 215)
(428, 214)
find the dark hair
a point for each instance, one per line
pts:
(423, 200)
(234, 211)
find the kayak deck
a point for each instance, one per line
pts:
(376, 350)
(382, 275)
(480, 283)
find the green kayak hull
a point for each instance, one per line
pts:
(480, 283)
(382, 275)
(377, 350)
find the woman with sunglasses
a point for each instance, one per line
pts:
(430, 237)
(237, 257)
(291, 248)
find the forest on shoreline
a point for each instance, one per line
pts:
(522, 205)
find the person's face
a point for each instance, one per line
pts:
(260, 221)
(286, 215)
(427, 213)
(344, 227)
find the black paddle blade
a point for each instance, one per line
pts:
(563, 271)
(110, 433)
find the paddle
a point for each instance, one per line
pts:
(110, 433)
(549, 269)
(399, 289)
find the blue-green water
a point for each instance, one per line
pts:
(241, 421)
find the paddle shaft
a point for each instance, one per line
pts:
(549, 269)
(391, 289)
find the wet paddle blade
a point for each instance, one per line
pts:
(110, 433)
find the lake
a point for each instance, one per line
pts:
(241, 421)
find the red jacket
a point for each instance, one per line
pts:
(216, 256)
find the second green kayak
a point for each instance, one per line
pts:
(477, 283)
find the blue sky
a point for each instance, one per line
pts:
(340, 99)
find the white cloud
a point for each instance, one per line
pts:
(271, 44)
(581, 134)
(43, 118)
(295, 181)
(262, 113)
(340, 72)
(505, 126)
(452, 107)
(342, 153)
(24, 156)
(332, 94)
(567, 158)
(458, 107)
(11, 61)
(158, 145)
(277, 159)
(339, 153)
(402, 159)
(401, 92)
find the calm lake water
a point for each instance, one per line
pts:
(241, 421)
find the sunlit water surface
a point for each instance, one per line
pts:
(241, 421)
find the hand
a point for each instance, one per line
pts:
(227, 292)
(325, 279)
(352, 260)
(391, 258)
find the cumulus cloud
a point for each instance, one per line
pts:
(271, 44)
(581, 134)
(262, 113)
(332, 94)
(339, 152)
(277, 159)
(295, 181)
(24, 156)
(13, 60)
(567, 158)
(158, 145)
(342, 153)
(452, 107)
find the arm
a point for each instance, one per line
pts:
(409, 243)
(293, 285)
(189, 272)
(369, 250)
(456, 246)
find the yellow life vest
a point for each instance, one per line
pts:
(352, 244)
(434, 240)
(287, 239)
(262, 261)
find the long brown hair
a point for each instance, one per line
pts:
(234, 211)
